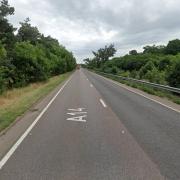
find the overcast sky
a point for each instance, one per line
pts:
(86, 25)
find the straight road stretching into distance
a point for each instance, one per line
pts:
(96, 130)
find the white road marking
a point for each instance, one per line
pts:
(176, 110)
(78, 119)
(91, 85)
(20, 140)
(76, 113)
(103, 103)
(87, 79)
(123, 131)
(79, 109)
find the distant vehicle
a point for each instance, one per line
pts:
(78, 66)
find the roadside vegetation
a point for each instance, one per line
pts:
(150, 90)
(17, 101)
(156, 64)
(26, 55)
(31, 65)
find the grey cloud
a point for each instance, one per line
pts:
(82, 25)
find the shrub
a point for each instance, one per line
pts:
(148, 67)
(155, 76)
(174, 75)
(30, 63)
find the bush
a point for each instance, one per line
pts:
(30, 63)
(173, 47)
(134, 74)
(155, 76)
(124, 73)
(148, 67)
(2, 81)
(114, 70)
(165, 62)
(174, 75)
(28, 56)
(3, 52)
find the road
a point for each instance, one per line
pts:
(97, 130)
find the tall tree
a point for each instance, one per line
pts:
(6, 29)
(133, 52)
(154, 49)
(103, 54)
(173, 47)
(27, 32)
(174, 75)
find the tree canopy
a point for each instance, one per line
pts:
(28, 33)
(28, 56)
(173, 47)
(158, 64)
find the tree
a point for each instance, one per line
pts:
(6, 29)
(3, 52)
(90, 63)
(155, 76)
(28, 33)
(29, 56)
(149, 66)
(154, 49)
(133, 52)
(5, 9)
(6, 70)
(103, 54)
(30, 62)
(61, 60)
(174, 75)
(165, 62)
(173, 47)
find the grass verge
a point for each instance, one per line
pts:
(15, 102)
(150, 90)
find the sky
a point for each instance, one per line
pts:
(83, 26)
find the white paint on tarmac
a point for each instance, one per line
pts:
(91, 85)
(77, 115)
(103, 103)
(78, 118)
(176, 110)
(78, 109)
(20, 140)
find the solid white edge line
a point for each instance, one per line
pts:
(23, 136)
(103, 103)
(176, 110)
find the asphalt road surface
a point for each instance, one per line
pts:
(97, 130)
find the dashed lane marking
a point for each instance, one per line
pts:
(103, 103)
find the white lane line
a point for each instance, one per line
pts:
(176, 110)
(20, 140)
(91, 85)
(87, 79)
(103, 103)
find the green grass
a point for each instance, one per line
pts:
(150, 90)
(14, 103)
